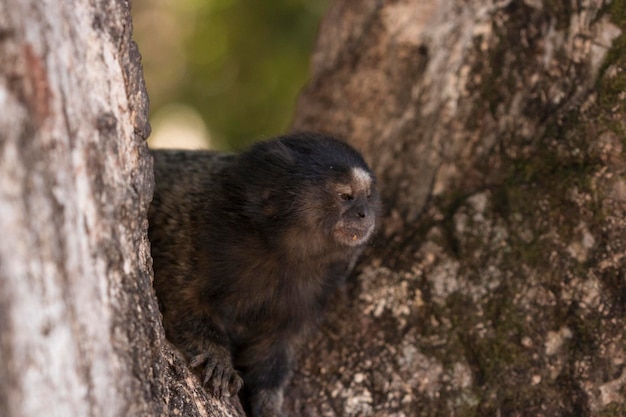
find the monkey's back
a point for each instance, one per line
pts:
(180, 207)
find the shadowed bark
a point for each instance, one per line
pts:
(497, 284)
(80, 330)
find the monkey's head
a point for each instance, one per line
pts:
(316, 189)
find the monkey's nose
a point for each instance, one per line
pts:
(362, 211)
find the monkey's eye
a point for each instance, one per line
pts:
(345, 196)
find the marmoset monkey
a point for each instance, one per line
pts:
(247, 248)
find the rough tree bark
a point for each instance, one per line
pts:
(496, 286)
(80, 332)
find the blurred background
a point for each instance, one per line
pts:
(223, 73)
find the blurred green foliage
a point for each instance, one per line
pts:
(239, 63)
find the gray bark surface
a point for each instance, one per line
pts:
(497, 286)
(80, 331)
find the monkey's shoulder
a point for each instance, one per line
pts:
(188, 168)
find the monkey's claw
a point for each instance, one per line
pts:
(219, 377)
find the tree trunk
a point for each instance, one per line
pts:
(497, 285)
(80, 331)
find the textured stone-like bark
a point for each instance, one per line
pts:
(497, 285)
(80, 331)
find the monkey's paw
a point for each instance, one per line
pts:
(219, 377)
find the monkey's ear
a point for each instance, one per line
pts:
(280, 153)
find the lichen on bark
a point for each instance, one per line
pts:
(502, 290)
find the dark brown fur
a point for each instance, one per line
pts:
(248, 248)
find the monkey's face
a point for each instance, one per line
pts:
(358, 204)
(315, 193)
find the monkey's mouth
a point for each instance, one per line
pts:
(353, 235)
